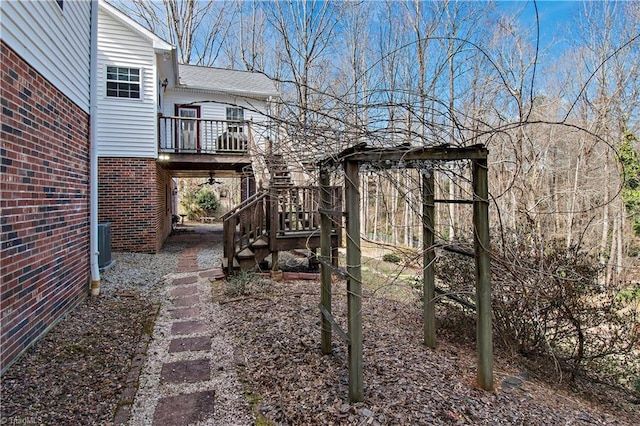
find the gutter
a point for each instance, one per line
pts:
(93, 177)
(247, 94)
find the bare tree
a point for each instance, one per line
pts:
(197, 29)
(306, 31)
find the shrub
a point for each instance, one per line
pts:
(630, 294)
(547, 301)
(192, 209)
(391, 258)
(199, 202)
(245, 283)
(207, 200)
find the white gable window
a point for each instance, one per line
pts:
(123, 82)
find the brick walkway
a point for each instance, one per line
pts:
(188, 260)
(189, 333)
(184, 380)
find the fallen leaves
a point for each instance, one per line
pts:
(405, 382)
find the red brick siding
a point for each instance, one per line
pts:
(164, 205)
(132, 199)
(44, 188)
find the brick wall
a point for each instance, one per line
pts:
(132, 198)
(165, 199)
(44, 187)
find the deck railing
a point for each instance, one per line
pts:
(183, 135)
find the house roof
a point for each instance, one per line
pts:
(221, 80)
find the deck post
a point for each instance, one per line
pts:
(229, 231)
(428, 257)
(273, 226)
(483, 274)
(354, 280)
(325, 256)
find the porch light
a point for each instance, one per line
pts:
(164, 84)
(163, 157)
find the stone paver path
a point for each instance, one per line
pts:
(189, 375)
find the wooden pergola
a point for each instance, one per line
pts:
(409, 157)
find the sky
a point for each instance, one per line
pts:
(555, 17)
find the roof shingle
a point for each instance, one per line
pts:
(223, 80)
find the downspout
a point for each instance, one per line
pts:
(93, 178)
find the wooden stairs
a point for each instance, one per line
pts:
(283, 217)
(280, 174)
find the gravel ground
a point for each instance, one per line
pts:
(140, 271)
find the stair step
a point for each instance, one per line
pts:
(259, 243)
(248, 264)
(246, 254)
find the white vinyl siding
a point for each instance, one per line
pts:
(54, 41)
(213, 106)
(126, 126)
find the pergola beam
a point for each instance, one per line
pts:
(438, 153)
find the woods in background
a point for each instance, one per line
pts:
(557, 102)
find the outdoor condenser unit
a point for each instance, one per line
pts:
(104, 245)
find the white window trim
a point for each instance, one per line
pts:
(235, 107)
(106, 80)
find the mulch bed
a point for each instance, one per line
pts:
(77, 373)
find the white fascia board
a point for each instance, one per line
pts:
(159, 45)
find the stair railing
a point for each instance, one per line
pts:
(243, 204)
(273, 213)
(258, 163)
(245, 223)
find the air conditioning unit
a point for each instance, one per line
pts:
(104, 246)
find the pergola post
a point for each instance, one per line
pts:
(483, 274)
(428, 257)
(354, 280)
(325, 256)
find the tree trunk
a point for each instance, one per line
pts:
(376, 209)
(572, 206)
